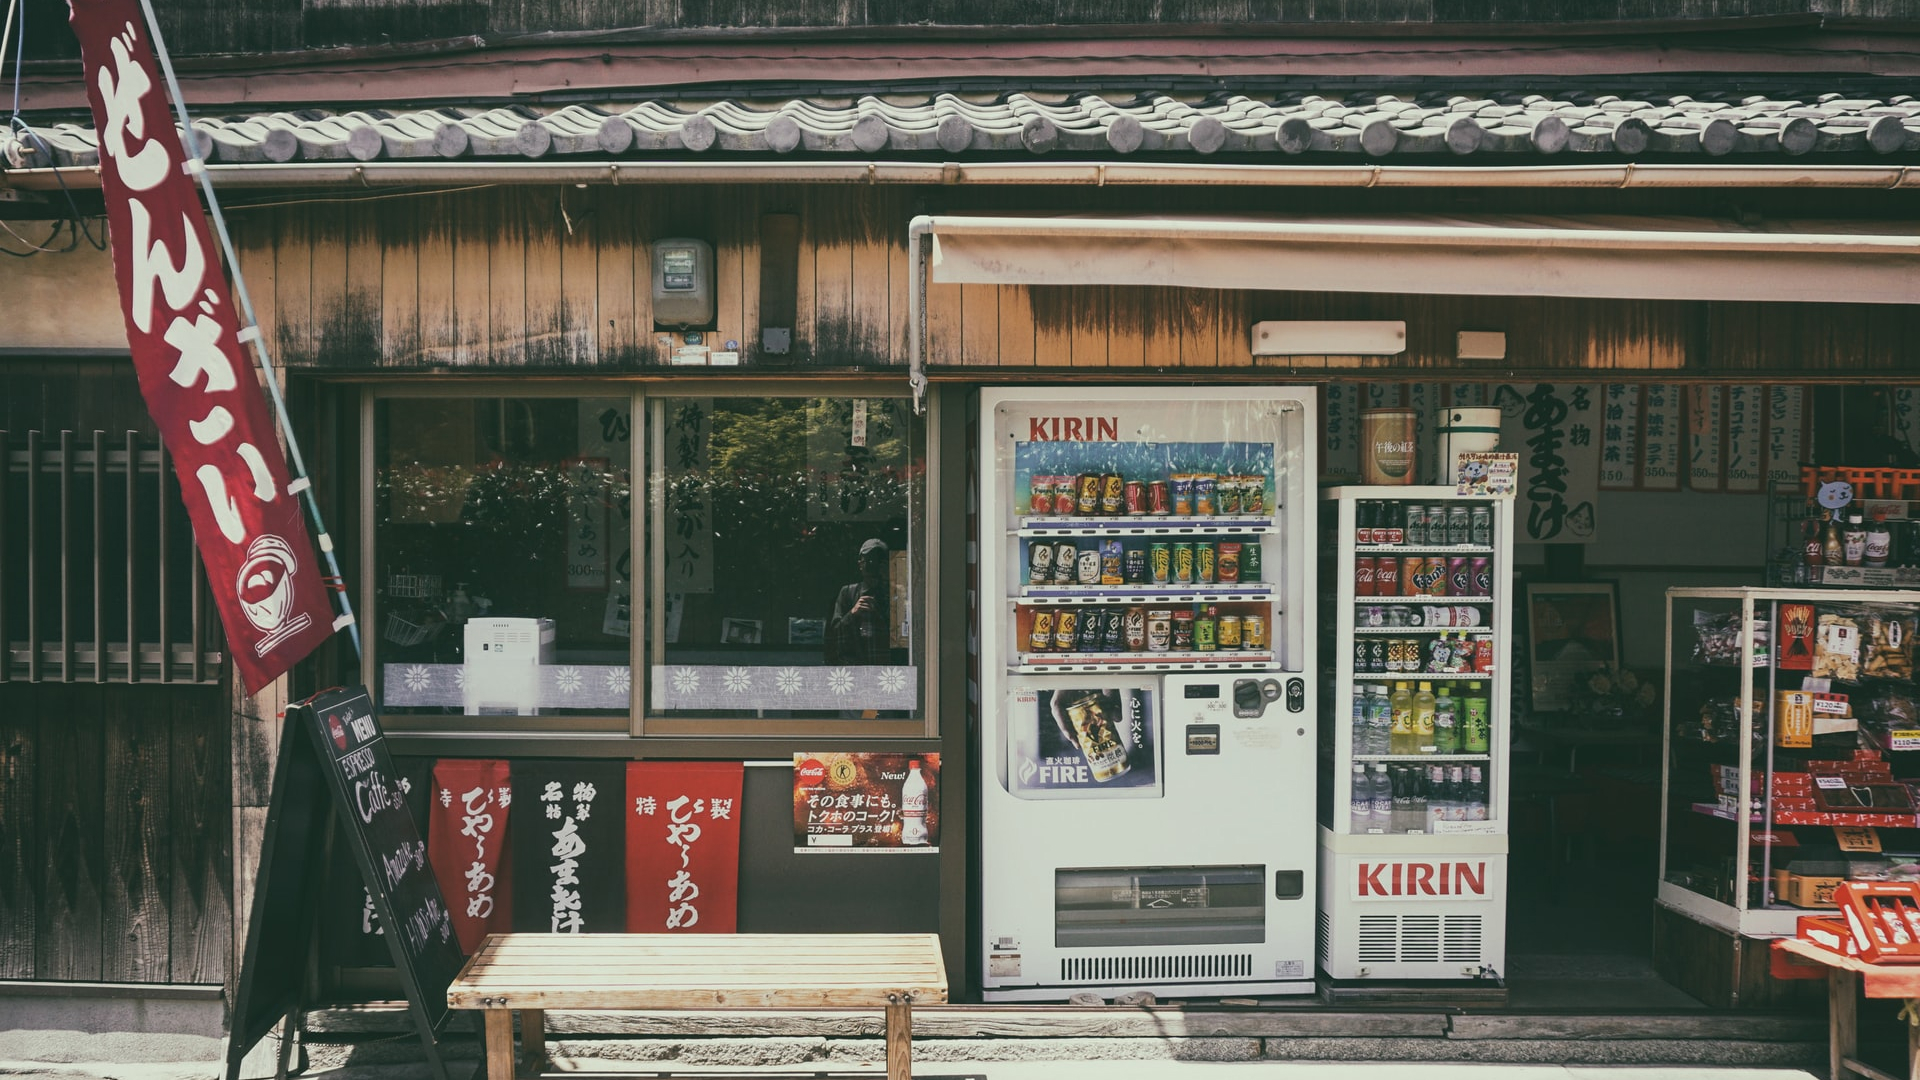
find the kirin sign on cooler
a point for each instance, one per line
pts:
(183, 333)
(1416, 879)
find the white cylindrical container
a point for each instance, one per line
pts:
(1465, 429)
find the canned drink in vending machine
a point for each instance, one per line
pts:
(1386, 576)
(1206, 632)
(1413, 569)
(1040, 636)
(1159, 501)
(1363, 576)
(1203, 494)
(1250, 560)
(1113, 494)
(1183, 564)
(1203, 562)
(1253, 631)
(1040, 562)
(1040, 494)
(1113, 556)
(1089, 635)
(1087, 494)
(1459, 576)
(1481, 570)
(1065, 556)
(1136, 565)
(1227, 565)
(1066, 495)
(1183, 494)
(1066, 629)
(1086, 567)
(1182, 631)
(1113, 629)
(1136, 629)
(1253, 493)
(1227, 495)
(1228, 631)
(1135, 498)
(1159, 629)
(1160, 563)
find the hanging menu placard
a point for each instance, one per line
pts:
(1619, 436)
(1341, 459)
(1745, 416)
(1421, 398)
(1553, 427)
(1703, 437)
(1660, 437)
(1786, 428)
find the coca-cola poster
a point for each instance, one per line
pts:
(1090, 742)
(866, 802)
(183, 334)
(467, 845)
(683, 846)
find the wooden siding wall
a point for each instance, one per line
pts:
(115, 841)
(550, 278)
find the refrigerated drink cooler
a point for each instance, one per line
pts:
(1413, 839)
(1146, 692)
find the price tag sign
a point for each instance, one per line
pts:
(1830, 783)
(1903, 740)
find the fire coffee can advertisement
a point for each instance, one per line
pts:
(1086, 743)
(866, 802)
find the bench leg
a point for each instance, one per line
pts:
(900, 1039)
(499, 1044)
(533, 1039)
(1843, 1017)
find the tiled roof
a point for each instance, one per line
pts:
(1364, 126)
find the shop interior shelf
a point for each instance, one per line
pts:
(1423, 598)
(1107, 594)
(1231, 660)
(1827, 818)
(1400, 631)
(1423, 549)
(1423, 757)
(1146, 525)
(1383, 676)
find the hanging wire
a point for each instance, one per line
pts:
(75, 221)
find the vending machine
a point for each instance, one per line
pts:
(1146, 691)
(1413, 836)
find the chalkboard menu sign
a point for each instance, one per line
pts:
(333, 743)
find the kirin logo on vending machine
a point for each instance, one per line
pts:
(1073, 429)
(1416, 880)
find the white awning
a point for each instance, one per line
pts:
(1620, 257)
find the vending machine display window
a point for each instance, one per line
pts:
(500, 581)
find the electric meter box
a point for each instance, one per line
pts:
(682, 282)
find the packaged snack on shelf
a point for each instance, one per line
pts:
(1796, 637)
(1836, 647)
(1889, 644)
(1717, 641)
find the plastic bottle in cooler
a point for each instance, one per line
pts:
(1417, 808)
(1379, 720)
(1401, 739)
(1457, 780)
(1446, 730)
(1404, 818)
(1474, 722)
(1361, 701)
(1381, 792)
(1423, 719)
(1440, 796)
(1360, 814)
(1476, 799)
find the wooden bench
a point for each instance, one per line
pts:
(1847, 979)
(532, 973)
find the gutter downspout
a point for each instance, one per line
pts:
(918, 255)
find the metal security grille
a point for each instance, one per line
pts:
(1185, 966)
(99, 578)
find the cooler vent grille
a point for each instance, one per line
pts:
(1324, 938)
(1132, 968)
(1419, 939)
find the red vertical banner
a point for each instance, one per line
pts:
(467, 845)
(182, 330)
(683, 846)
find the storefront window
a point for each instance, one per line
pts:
(502, 569)
(787, 557)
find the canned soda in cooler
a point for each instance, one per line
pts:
(1087, 495)
(1135, 499)
(1183, 564)
(1135, 629)
(1386, 576)
(1253, 631)
(1204, 502)
(1459, 576)
(1066, 629)
(1361, 663)
(1182, 631)
(1203, 561)
(1414, 528)
(1086, 568)
(1040, 562)
(1412, 569)
(1159, 629)
(1159, 500)
(1389, 526)
(1436, 576)
(1183, 494)
(1253, 493)
(1113, 494)
(1458, 524)
(1040, 637)
(1396, 655)
(1363, 576)
(1206, 631)
(1160, 563)
(1227, 566)
(1483, 654)
(1113, 629)
(1369, 616)
(1228, 631)
(1250, 560)
(1113, 557)
(1088, 639)
(1040, 495)
(1480, 526)
(1481, 570)
(1377, 654)
(1066, 496)
(1065, 557)
(1136, 565)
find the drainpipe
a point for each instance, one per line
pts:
(918, 256)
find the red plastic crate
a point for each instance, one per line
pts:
(1883, 919)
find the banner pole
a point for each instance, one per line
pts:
(250, 331)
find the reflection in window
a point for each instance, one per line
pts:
(501, 537)
(786, 541)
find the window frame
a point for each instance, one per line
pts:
(646, 537)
